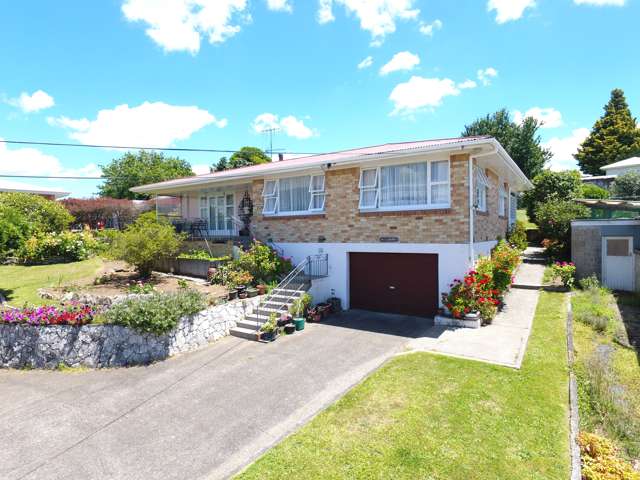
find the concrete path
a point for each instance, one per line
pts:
(202, 415)
(504, 342)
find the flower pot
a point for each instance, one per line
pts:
(299, 323)
(284, 320)
(324, 309)
(252, 292)
(262, 289)
(243, 294)
(233, 294)
(472, 316)
(289, 328)
(336, 304)
(268, 336)
(241, 288)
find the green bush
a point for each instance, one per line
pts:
(157, 313)
(14, 231)
(43, 215)
(593, 191)
(202, 255)
(517, 236)
(554, 222)
(263, 263)
(63, 246)
(550, 185)
(145, 240)
(627, 186)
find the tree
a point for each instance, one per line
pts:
(554, 219)
(550, 185)
(245, 157)
(96, 211)
(615, 136)
(144, 241)
(627, 186)
(140, 168)
(522, 142)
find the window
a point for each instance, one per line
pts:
(618, 247)
(294, 195)
(204, 208)
(482, 185)
(413, 185)
(502, 200)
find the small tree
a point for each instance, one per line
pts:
(135, 169)
(554, 221)
(615, 136)
(548, 185)
(95, 211)
(245, 157)
(627, 186)
(146, 240)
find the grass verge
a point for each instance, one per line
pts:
(608, 372)
(434, 417)
(21, 283)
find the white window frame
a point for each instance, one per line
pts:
(275, 194)
(502, 200)
(482, 187)
(204, 208)
(377, 186)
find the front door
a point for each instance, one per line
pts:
(618, 263)
(221, 212)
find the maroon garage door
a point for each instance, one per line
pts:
(404, 283)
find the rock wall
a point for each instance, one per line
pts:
(100, 346)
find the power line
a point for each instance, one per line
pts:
(51, 177)
(125, 147)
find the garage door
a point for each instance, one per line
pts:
(403, 283)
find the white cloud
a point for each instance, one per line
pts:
(178, 25)
(601, 3)
(280, 5)
(419, 93)
(366, 63)
(467, 84)
(507, 10)
(38, 100)
(147, 125)
(564, 148)
(200, 168)
(31, 161)
(550, 117)
(428, 28)
(377, 17)
(290, 125)
(486, 75)
(400, 61)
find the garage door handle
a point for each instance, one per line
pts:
(391, 287)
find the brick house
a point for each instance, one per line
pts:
(398, 221)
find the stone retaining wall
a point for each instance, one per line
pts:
(99, 346)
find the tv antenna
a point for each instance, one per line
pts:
(271, 132)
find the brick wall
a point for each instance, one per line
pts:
(489, 225)
(343, 222)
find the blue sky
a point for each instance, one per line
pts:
(331, 74)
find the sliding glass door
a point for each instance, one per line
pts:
(221, 213)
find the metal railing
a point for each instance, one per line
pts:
(312, 267)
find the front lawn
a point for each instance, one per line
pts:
(434, 417)
(521, 215)
(19, 284)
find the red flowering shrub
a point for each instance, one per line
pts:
(72, 314)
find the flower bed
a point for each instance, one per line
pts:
(73, 314)
(482, 289)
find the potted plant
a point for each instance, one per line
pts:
(324, 309)
(233, 294)
(269, 330)
(314, 315)
(284, 319)
(252, 292)
(262, 288)
(289, 328)
(298, 309)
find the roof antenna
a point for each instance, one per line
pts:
(271, 132)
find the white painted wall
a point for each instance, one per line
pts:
(452, 262)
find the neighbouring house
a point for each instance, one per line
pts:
(608, 244)
(48, 193)
(612, 171)
(398, 222)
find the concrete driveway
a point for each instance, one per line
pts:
(202, 415)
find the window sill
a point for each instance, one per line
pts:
(289, 216)
(425, 212)
(482, 213)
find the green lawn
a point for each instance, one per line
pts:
(424, 416)
(19, 284)
(524, 218)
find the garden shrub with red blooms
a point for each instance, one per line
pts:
(73, 314)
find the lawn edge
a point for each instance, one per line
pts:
(574, 414)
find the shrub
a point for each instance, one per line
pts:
(554, 222)
(157, 313)
(63, 246)
(549, 186)
(202, 255)
(101, 211)
(72, 314)
(517, 236)
(470, 295)
(263, 262)
(145, 240)
(590, 283)
(140, 288)
(593, 191)
(43, 215)
(564, 271)
(601, 460)
(627, 186)
(14, 231)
